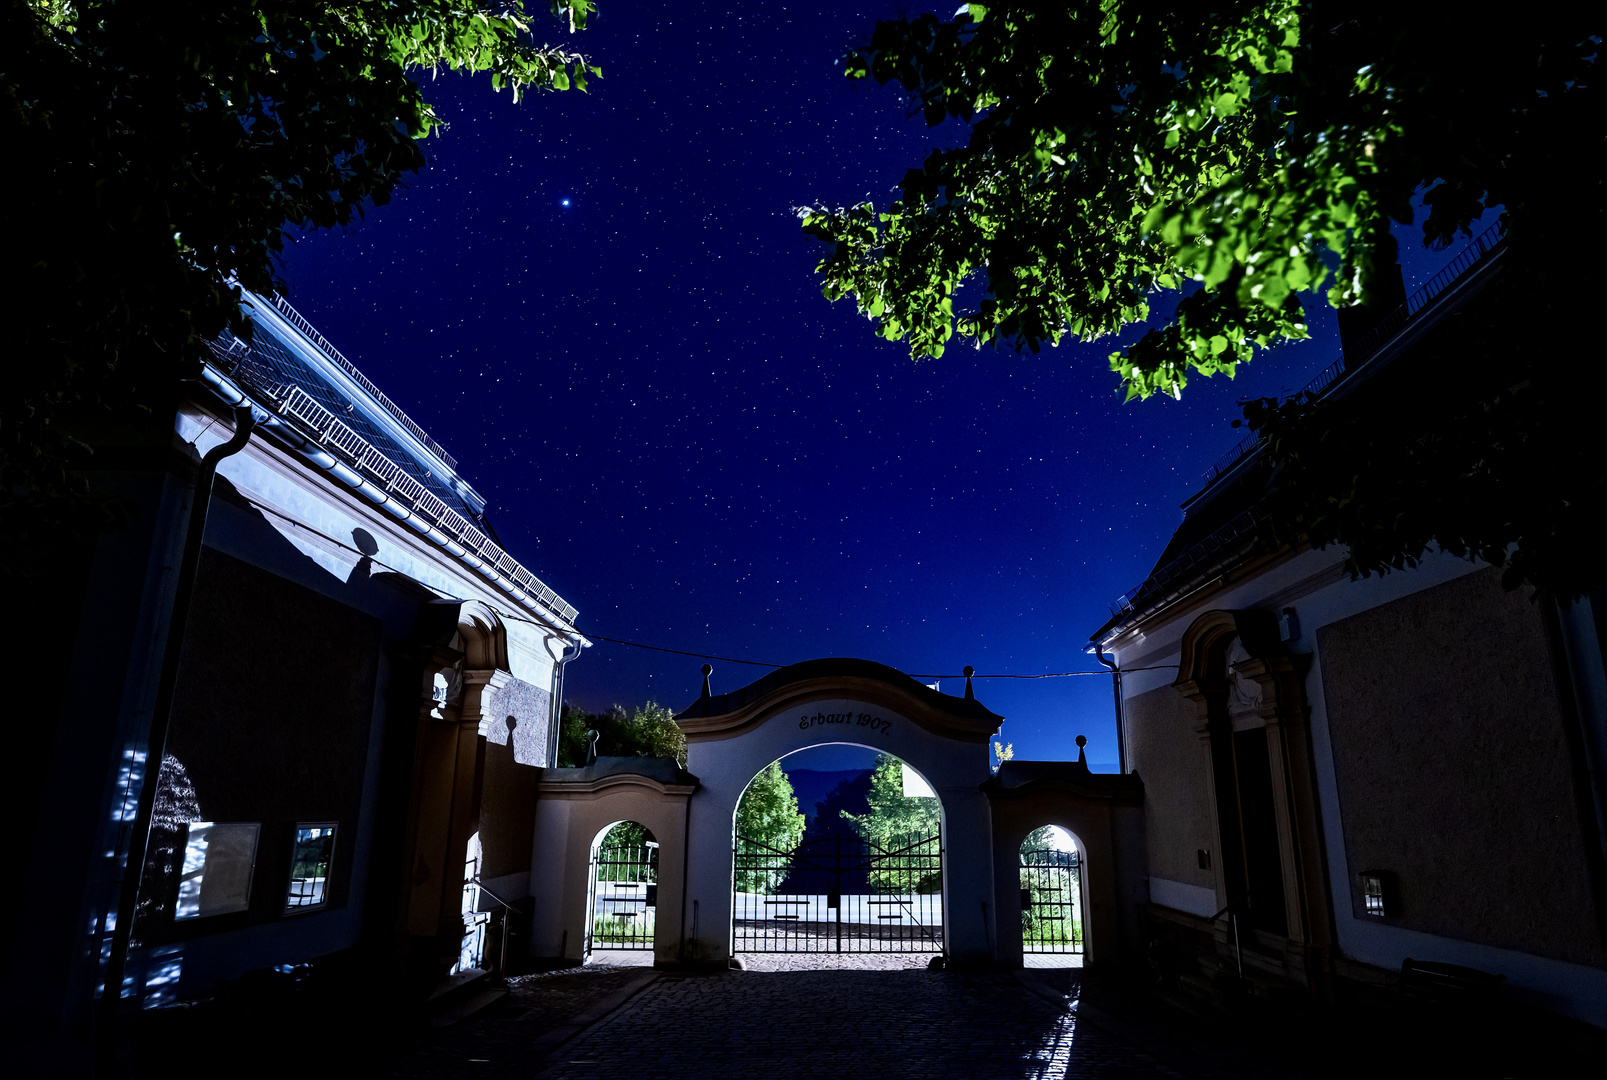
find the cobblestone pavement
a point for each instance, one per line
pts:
(827, 1023)
(847, 1024)
(826, 961)
(882, 1024)
(513, 1036)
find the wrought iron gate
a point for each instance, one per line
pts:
(624, 900)
(1051, 901)
(838, 892)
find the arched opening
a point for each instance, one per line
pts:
(622, 895)
(1249, 693)
(1051, 899)
(471, 950)
(837, 855)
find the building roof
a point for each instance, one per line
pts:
(293, 370)
(1221, 520)
(666, 771)
(1015, 779)
(292, 363)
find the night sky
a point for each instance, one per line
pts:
(603, 306)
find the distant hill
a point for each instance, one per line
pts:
(814, 787)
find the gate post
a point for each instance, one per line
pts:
(968, 860)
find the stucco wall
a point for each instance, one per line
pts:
(271, 722)
(513, 754)
(507, 814)
(567, 824)
(1453, 768)
(1163, 747)
(531, 709)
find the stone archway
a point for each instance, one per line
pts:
(731, 737)
(577, 807)
(1254, 730)
(1104, 813)
(848, 882)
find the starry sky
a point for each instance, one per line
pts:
(603, 306)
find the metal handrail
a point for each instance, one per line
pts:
(506, 907)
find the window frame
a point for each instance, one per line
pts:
(323, 903)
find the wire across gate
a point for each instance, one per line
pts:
(624, 897)
(1051, 901)
(839, 892)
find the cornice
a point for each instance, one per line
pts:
(962, 719)
(560, 786)
(1025, 779)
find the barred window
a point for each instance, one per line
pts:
(310, 861)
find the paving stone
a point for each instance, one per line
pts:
(824, 1022)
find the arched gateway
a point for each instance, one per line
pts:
(731, 737)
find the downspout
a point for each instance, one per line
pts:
(161, 719)
(1582, 677)
(571, 651)
(1116, 691)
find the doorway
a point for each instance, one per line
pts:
(1051, 899)
(623, 902)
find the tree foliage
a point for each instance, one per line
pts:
(1503, 465)
(158, 155)
(767, 821)
(1040, 839)
(628, 834)
(1248, 158)
(893, 823)
(894, 818)
(647, 731)
(1123, 149)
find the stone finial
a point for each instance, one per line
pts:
(1082, 755)
(592, 735)
(708, 669)
(970, 694)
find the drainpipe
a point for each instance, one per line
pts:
(1116, 691)
(161, 720)
(571, 651)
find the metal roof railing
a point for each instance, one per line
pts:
(296, 404)
(1220, 541)
(295, 319)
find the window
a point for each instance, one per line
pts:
(310, 860)
(218, 863)
(1376, 887)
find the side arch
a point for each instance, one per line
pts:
(1104, 813)
(575, 809)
